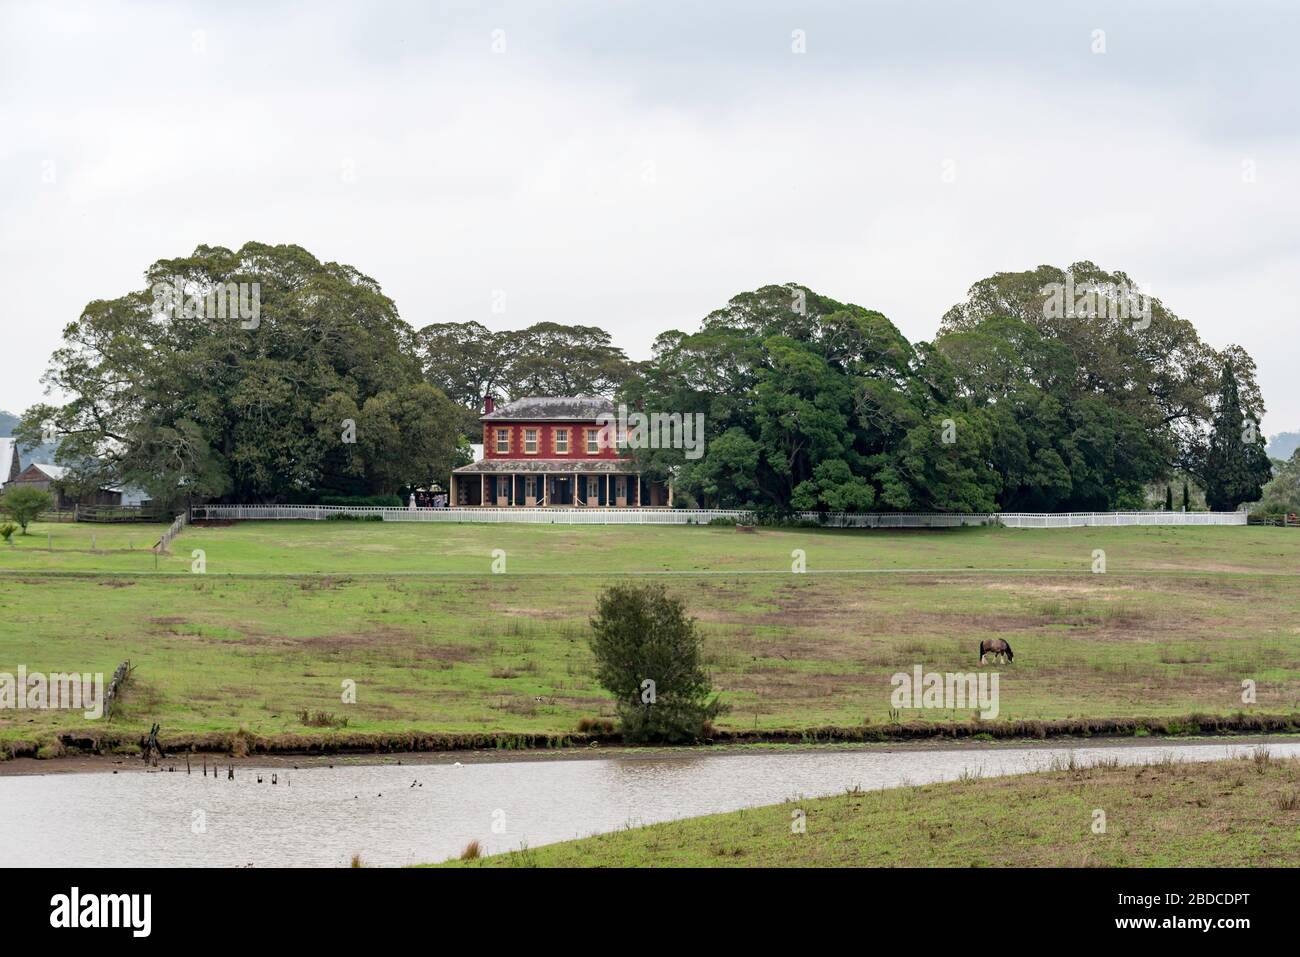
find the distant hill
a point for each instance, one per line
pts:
(1283, 445)
(42, 453)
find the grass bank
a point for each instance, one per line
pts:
(1239, 813)
(263, 652)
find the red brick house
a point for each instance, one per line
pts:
(553, 451)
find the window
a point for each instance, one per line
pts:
(530, 441)
(593, 488)
(503, 441)
(593, 441)
(561, 441)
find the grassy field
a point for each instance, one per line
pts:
(286, 612)
(1239, 813)
(409, 548)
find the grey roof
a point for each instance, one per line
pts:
(572, 408)
(55, 472)
(550, 466)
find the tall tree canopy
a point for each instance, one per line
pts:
(1232, 464)
(816, 404)
(188, 399)
(1154, 368)
(468, 361)
(809, 403)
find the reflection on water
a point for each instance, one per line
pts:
(422, 813)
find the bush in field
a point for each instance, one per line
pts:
(648, 657)
(7, 531)
(25, 503)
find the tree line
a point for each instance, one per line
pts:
(809, 403)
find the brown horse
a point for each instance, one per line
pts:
(997, 647)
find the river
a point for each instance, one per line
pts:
(426, 812)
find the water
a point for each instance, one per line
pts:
(321, 816)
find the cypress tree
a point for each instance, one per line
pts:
(1235, 467)
(1169, 499)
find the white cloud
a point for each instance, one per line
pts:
(636, 175)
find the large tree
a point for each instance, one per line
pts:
(822, 405)
(468, 361)
(1232, 464)
(1154, 368)
(180, 398)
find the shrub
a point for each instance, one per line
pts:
(321, 719)
(648, 657)
(25, 503)
(7, 531)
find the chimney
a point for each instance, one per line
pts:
(489, 403)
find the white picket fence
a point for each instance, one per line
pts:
(554, 515)
(1080, 519)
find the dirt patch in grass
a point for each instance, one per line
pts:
(539, 614)
(1056, 588)
(452, 654)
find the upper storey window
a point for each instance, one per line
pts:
(530, 441)
(503, 441)
(561, 441)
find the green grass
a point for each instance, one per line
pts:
(409, 548)
(287, 612)
(1238, 813)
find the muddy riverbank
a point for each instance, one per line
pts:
(226, 746)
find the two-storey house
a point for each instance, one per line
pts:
(553, 451)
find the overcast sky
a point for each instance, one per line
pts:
(633, 166)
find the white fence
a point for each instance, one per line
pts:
(1079, 519)
(702, 516)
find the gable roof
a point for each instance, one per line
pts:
(9, 460)
(51, 471)
(552, 408)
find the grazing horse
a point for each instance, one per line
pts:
(997, 647)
